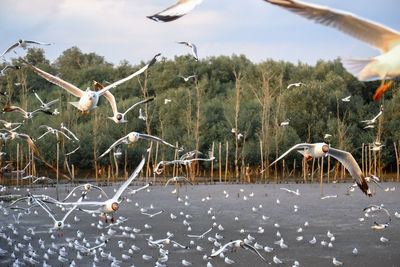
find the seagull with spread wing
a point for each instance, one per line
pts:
(295, 85)
(9, 125)
(175, 11)
(46, 106)
(112, 204)
(26, 114)
(373, 120)
(236, 244)
(381, 37)
(23, 44)
(9, 67)
(319, 150)
(193, 47)
(132, 137)
(88, 99)
(187, 78)
(13, 135)
(52, 131)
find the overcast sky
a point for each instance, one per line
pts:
(119, 29)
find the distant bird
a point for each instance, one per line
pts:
(9, 125)
(373, 120)
(185, 162)
(52, 131)
(190, 154)
(133, 137)
(13, 135)
(297, 193)
(376, 148)
(193, 47)
(336, 262)
(166, 101)
(296, 85)
(236, 244)
(200, 236)
(326, 136)
(9, 67)
(369, 127)
(3, 93)
(22, 172)
(381, 37)
(285, 123)
(23, 44)
(175, 11)
(26, 114)
(88, 99)
(346, 99)
(63, 127)
(85, 187)
(187, 78)
(141, 117)
(178, 178)
(46, 106)
(319, 150)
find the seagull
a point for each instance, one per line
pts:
(190, 154)
(152, 215)
(326, 136)
(111, 205)
(373, 120)
(9, 67)
(166, 101)
(23, 44)
(297, 193)
(336, 262)
(177, 178)
(52, 131)
(346, 99)
(141, 117)
(187, 78)
(86, 187)
(120, 117)
(319, 150)
(376, 148)
(88, 99)
(46, 106)
(237, 243)
(132, 137)
(68, 131)
(27, 115)
(194, 49)
(9, 125)
(22, 172)
(13, 135)
(296, 85)
(285, 123)
(87, 250)
(330, 196)
(175, 11)
(202, 235)
(185, 162)
(381, 37)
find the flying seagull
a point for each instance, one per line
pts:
(295, 85)
(175, 11)
(26, 114)
(237, 244)
(187, 78)
(9, 125)
(319, 150)
(373, 120)
(9, 67)
(88, 99)
(23, 44)
(13, 135)
(46, 106)
(346, 99)
(194, 49)
(381, 37)
(132, 137)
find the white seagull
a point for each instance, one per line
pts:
(175, 11)
(46, 106)
(9, 67)
(187, 78)
(23, 44)
(373, 120)
(194, 49)
(132, 137)
(26, 114)
(237, 244)
(379, 36)
(178, 178)
(319, 150)
(346, 99)
(296, 85)
(88, 99)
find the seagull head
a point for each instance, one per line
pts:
(58, 225)
(325, 148)
(114, 206)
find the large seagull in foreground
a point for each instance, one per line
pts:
(386, 65)
(175, 11)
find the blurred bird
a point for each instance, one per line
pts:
(9, 67)
(23, 44)
(175, 11)
(346, 99)
(296, 85)
(46, 106)
(193, 47)
(27, 115)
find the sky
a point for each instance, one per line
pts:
(119, 30)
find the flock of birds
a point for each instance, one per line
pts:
(385, 66)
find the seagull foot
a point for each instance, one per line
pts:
(383, 88)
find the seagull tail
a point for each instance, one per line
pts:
(359, 68)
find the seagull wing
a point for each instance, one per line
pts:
(175, 11)
(36, 42)
(70, 88)
(351, 165)
(377, 116)
(15, 108)
(194, 51)
(254, 250)
(374, 34)
(108, 87)
(132, 177)
(9, 49)
(138, 103)
(156, 139)
(298, 146)
(30, 142)
(118, 142)
(52, 102)
(37, 96)
(42, 111)
(43, 206)
(216, 253)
